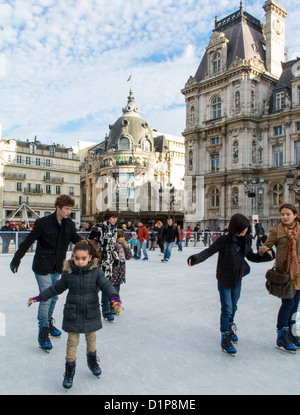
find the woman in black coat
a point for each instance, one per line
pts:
(233, 248)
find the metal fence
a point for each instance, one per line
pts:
(10, 241)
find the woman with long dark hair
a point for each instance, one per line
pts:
(233, 248)
(285, 237)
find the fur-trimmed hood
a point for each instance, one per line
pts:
(69, 265)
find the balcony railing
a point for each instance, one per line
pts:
(14, 176)
(53, 179)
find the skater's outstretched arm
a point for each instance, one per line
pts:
(208, 252)
(58, 288)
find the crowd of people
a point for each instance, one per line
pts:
(151, 238)
(98, 263)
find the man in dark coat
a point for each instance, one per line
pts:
(170, 234)
(6, 237)
(258, 228)
(53, 234)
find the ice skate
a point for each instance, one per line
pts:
(69, 375)
(52, 329)
(92, 362)
(284, 341)
(226, 344)
(43, 339)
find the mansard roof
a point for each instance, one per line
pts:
(246, 40)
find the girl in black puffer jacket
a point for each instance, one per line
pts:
(83, 277)
(233, 248)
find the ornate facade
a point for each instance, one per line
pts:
(242, 132)
(135, 170)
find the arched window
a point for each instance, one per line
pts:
(277, 195)
(216, 63)
(147, 145)
(216, 108)
(124, 143)
(214, 197)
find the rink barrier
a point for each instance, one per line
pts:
(197, 239)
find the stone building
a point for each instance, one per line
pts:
(35, 174)
(242, 132)
(135, 170)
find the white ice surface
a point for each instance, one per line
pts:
(167, 340)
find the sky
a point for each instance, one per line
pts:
(65, 64)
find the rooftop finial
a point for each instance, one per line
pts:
(131, 107)
(241, 4)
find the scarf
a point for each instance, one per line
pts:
(291, 255)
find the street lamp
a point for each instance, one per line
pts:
(290, 182)
(254, 187)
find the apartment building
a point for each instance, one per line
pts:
(35, 174)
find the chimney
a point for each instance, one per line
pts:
(275, 36)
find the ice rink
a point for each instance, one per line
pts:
(166, 342)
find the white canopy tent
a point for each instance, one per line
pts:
(27, 213)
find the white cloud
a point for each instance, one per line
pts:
(69, 60)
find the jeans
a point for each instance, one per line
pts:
(287, 311)
(168, 249)
(180, 245)
(142, 246)
(229, 299)
(46, 308)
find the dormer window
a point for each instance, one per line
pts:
(279, 100)
(216, 63)
(124, 143)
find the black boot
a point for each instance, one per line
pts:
(227, 345)
(92, 362)
(52, 329)
(69, 375)
(284, 340)
(43, 339)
